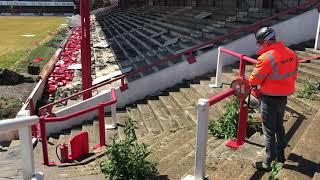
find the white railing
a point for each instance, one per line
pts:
(218, 82)
(23, 123)
(202, 138)
(317, 42)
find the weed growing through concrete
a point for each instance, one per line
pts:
(127, 159)
(276, 167)
(309, 90)
(227, 124)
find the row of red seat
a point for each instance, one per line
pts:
(61, 75)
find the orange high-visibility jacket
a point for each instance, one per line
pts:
(276, 70)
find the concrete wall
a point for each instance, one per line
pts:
(295, 30)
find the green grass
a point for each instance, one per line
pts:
(45, 50)
(14, 47)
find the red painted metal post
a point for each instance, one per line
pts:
(44, 141)
(124, 85)
(34, 129)
(242, 123)
(31, 107)
(101, 128)
(85, 48)
(243, 114)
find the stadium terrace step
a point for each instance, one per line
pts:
(11, 162)
(316, 176)
(153, 126)
(253, 150)
(303, 161)
(311, 66)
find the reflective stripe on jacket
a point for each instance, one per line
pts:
(276, 70)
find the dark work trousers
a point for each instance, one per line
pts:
(272, 111)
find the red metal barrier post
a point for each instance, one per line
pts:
(101, 128)
(85, 48)
(44, 142)
(243, 111)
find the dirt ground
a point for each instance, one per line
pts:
(12, 98)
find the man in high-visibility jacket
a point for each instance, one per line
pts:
(275, 74)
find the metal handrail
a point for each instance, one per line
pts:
(48, 108)
(100, 107)
(16, 123)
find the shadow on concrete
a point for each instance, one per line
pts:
(301, 165)
(299, 120)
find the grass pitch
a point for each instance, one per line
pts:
(19, 35)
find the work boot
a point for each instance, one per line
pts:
(261, 166)
(280, 157)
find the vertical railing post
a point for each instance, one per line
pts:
(218, 82)
(202, 137)
(25, 137)
(124, 85)
(44, 141)
(113, 117)
(102, 134)
(317, 42)
(243, 114)
(242, 123)
(32, 112)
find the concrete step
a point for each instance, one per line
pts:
(75, 169)
(162, 115)
(11, 168)
(187, 107)
(208, 92)
(169, 144)
(250, 151)
(152, 125)
(310, 66)
(75, 131)
(134, 115)
(316, 176)
(109, 133)
(183, 164)
(313, 50)
(312, 75)
(151, 139)
(92, 136)
(175, 112)
(294, 127)
(303, 161)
